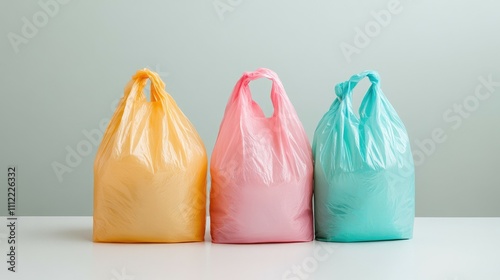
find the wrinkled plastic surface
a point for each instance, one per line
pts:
(261, 170)
(364, 173)
(150, 171)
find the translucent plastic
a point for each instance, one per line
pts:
(150, 171)
(261, 170)
(364, 173)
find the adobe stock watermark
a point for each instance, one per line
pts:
(373, 28)
(309, 265)
(225, 6)
(455, 116)
(91, 139)
(32, 25)
(75, 154)
(121, 275)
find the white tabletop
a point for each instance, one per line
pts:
(58, 248)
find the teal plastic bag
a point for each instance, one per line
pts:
(364, 172)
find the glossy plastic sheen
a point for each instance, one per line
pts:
(150, 171)
(364, 173)
(261, 170)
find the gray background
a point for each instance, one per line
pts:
(66, 78)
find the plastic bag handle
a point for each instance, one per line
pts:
(277, 88)
(139, 81)
(344, 90)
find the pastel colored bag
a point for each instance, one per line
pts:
(261, 170)
(364, 173)
(150, 171)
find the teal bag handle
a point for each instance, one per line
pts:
(371, 101)
(344, 90)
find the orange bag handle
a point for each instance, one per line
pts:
(138, 82)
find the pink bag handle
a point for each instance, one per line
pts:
(242, 89)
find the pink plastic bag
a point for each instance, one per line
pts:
(261, 170)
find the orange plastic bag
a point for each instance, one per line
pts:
(150, 171)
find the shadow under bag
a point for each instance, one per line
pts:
(364, 173)
(261, 170)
